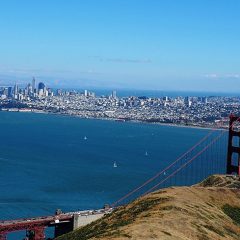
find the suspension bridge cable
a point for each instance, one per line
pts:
(165, 169)
(181, 157)
(185, 164)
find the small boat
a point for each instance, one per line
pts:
(115, 165)
(85, 138)
(146, 153)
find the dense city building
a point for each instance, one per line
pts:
(29, 92)
(195, 111)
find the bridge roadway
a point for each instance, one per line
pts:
(72, 220)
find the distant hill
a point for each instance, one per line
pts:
(206, 211)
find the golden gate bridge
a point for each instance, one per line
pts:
(201, 160)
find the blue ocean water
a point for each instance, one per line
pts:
(159, 93)
(45, 162)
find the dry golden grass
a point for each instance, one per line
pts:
(181, 213)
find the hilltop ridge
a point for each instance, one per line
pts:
(209, 210)
(227, 181)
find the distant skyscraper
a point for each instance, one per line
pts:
(41, 89)
(188, 101)
(28, 89)
(33, 84)
(205, 100)
(9, 91)
(41, 86)
(59, 92)
(15, 90)
(114, 94)
(5, 92)
(85, 93)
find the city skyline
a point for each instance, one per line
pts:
(128, 44)
(201, 111)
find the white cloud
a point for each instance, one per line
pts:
(222, 76)
(232, 76)
(211, 75)
(123, 60)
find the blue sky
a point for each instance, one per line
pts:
(147, 44)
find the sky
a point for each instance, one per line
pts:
(140, 44)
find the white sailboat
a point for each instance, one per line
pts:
(85, 138)
(146, 153)
(114, 164)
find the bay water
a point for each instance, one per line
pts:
(51, 161)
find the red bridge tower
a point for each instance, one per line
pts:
(231, 167)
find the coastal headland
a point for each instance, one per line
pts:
(209, 210)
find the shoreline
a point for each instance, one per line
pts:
(115, 119)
